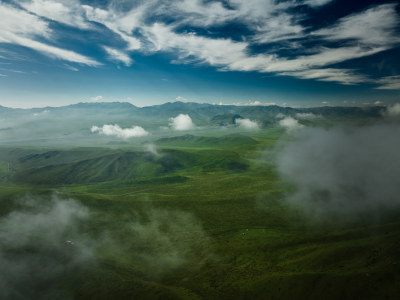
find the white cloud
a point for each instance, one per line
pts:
(394, 110)
(373, 27)
(118, 56)
(151, 148)
(22, 28)
(389, 83)
(96, 99)
(71, 68)
(343, 76)
(290, 124)
(316, 3)
(307, 116)
(252, 103)
(68, 12)
(247, 124)
(361, 34)
(115, 130)
(180, 98)
(121, 23)
(181, 122)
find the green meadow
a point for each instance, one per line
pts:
(204, 217)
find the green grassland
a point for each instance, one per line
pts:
(203, 219)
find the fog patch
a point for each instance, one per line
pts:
(165, 240)
(115, 130)
(307, 116)
(343, 172)
(181, 122)
(290, 124)
(247, 124)
(40, 247)
(46, 245)
(393, 111)
(151, 148)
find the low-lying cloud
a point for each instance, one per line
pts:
(290, 124)
(41, 246)
(115, 130)
(181, 122)
(171, 239)
(46, 244)
(151, 148)
(343, 171)
(307, 116)
(394, 110)
(247, 124)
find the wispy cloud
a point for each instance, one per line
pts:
(389, 83)
(22, 28)
(67, 12)
(373, 27)
(156, 26)
(343, 76)
(118, 56)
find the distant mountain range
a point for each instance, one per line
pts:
(197, 111)
(72, 123)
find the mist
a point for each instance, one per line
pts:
(41, 246)
(46, 244)
(343, 172)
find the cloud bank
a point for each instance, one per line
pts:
(343, 172)
(115, 130)
(181, 122)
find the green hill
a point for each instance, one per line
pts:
(46, 168)
(189, 140)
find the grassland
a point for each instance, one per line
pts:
(204, 219)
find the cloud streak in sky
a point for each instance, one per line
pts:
(24, 29)
(148, 27)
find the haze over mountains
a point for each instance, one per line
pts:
(83, 121)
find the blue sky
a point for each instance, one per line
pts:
(295, 52)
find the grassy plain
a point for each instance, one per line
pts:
(204, 219)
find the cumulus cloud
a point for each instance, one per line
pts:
(181, 122)
(115, 130)
(343, 172)
(290, 124)
(41, 246)
(247, 124)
